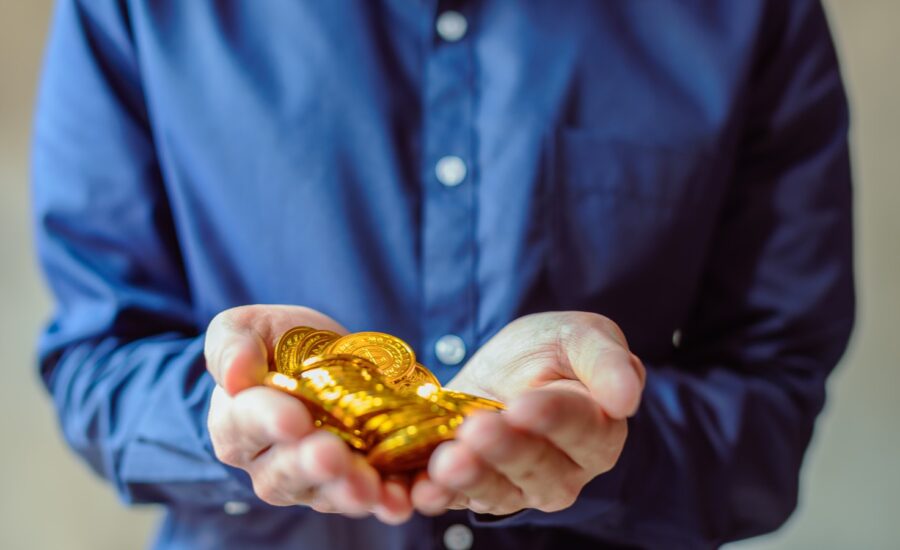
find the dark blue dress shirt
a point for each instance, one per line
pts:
(679, 166)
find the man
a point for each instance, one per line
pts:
(513, 187)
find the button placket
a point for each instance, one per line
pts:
(448, 196)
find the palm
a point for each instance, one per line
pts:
(557, 350)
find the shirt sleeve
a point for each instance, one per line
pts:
(123, 353)
(715, 451)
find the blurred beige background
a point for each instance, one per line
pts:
(851, 494)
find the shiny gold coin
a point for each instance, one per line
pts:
(286, 344)
(410, 447)
(417, 377)
(341, 360)
(311, 344)
(363, 403)
(392, 356)
(393, 404)
(464, 403)
(298, 389)
(319, 403)
(381, 425)
(333, 372)
(327, 381)
(352, 409)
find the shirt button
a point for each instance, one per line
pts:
(236, 508)
(450, 170)
(450, 349)
(451, 25)
(458, 537)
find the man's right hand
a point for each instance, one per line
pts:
(270, 434)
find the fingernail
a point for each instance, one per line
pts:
(440, 460)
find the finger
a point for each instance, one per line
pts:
(394, 506)
(322, 505)
(324, 457)
(456, 466)
(432, 499)
(263, 416)
(290, 473)
(278, 477)
(596, 352)
(546, 476)
(357, 491)
(241, 427)
(572, 422)
(240, 340)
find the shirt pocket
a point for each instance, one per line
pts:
(630, 223)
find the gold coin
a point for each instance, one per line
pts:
(392, 356)
(409, 448)
(286, 343)
(311, 343)
(416, 378)
(344, 361)
(349, 377)
(389, 402)
(298, 389)
(351, 407)
(332, 373)
(464, 403)
(381, 425)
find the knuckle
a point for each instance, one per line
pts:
(268, 493)
(582, 326)
(536, 501)
(226, 319)
(564, 498)
(217, 421)
(480, 507)
(557, 504)
(281, 478)
(241, 315)
(322, 506)
(228, 454)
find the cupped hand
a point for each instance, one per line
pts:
(271, 435)
(570, 382)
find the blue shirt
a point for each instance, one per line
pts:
(680, 167)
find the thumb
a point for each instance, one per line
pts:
(236, 355)
(599, 358)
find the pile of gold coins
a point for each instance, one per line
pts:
(368, 389)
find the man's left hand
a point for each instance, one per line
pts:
(571, 383)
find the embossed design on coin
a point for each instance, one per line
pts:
(286, 343)
(393, 357)
(417, 377)
(312, 344)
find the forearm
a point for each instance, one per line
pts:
(136, 412)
